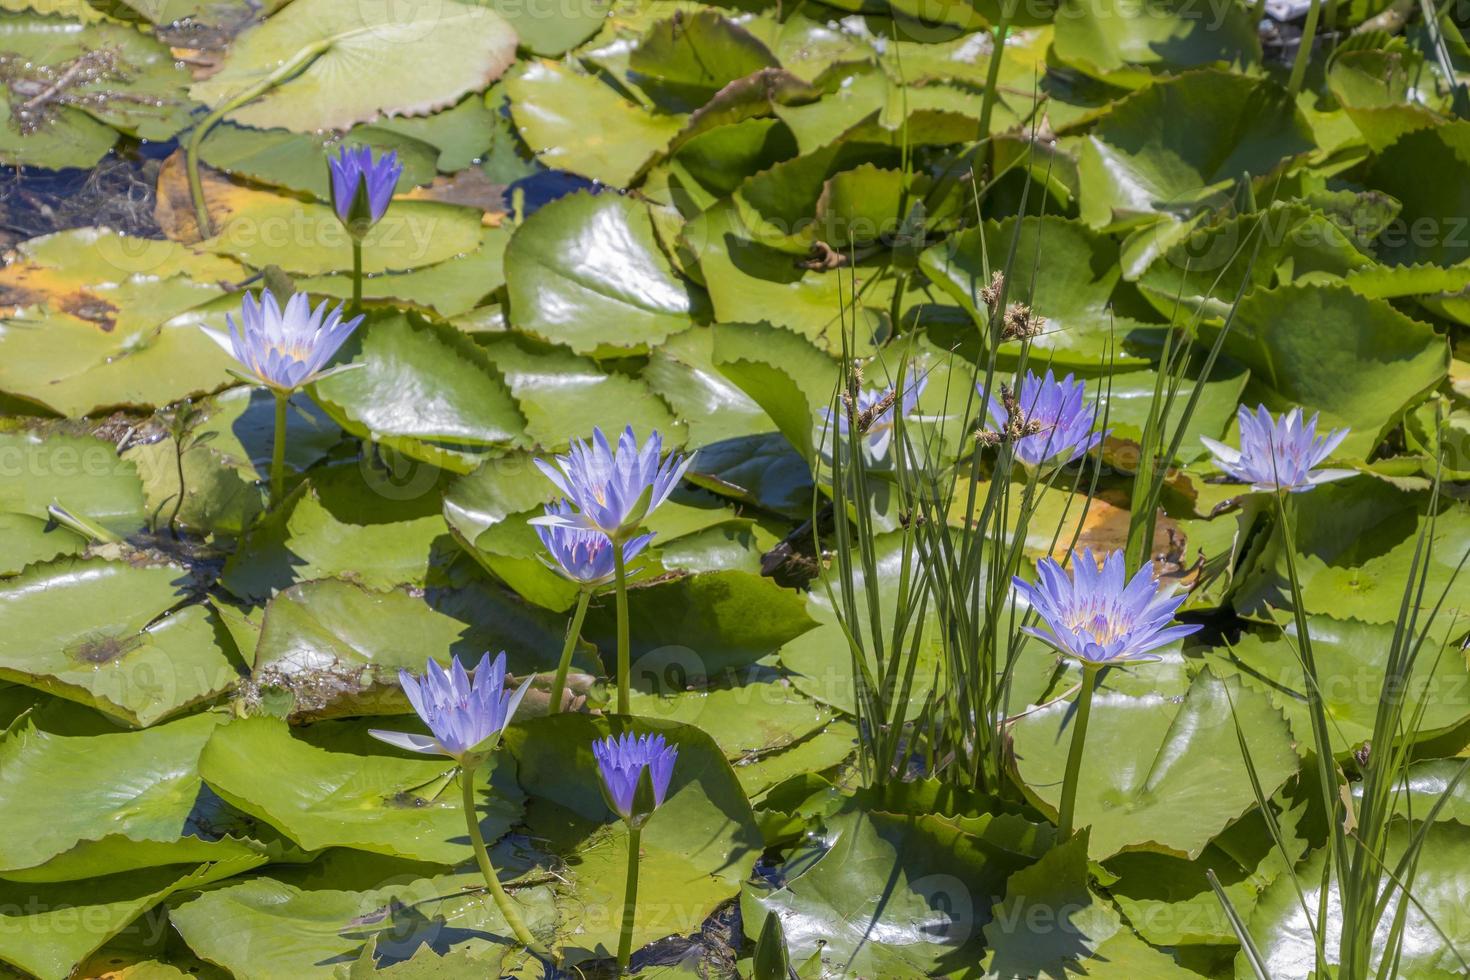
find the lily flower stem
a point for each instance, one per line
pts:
(625, 667)
(285, 71)
(278, 448)
(1074, 754)
(574, 632)
(356, 275)
(630, 899)
(507, 906)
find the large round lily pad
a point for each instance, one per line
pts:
(360, 61)
(125, 639)
(1155, 776)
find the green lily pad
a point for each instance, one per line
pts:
(789, 378)
(134, 801)
(338, 647)
(102, 320)
(696, 849)
(1355, 542)
(359, 63)
(26, 540)
(563, 395)
(750, 713)
(227, 459)
(307, 238)
(1289, 241)
(1062, 270)
(120, 79)
(449, 288)
(298, 161)
(578, 123)
(1167, 145)
(586, 271)
(400, 807)
(60, 926)
(1157, 779)
(895, 895)
(448, 404)
(683, 372)
(1351, 658)
(338, 533)
(262, 928)
(1426, 171)
(1171, 903)
(550, 36)
(115, 636)
(765, 471)
(462, 133)
(1281, 932)
(81, 474)
(750, 281)
(1310, 346)
(705, 624)
(1050, 919)
(684, 60)
(1127, 44)
(824, 751)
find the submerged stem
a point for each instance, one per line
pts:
(503, 901)
(630, 899)
(620, 579)
(574, 631)
(1074, 754)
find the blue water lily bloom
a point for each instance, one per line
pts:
(1098, 616)
(1280, 452)
(612, 491)
(362, 186)
(288, 348)
(621, 761)
(1055, 420)
(877, 408)
(583, 555)
(462, 714)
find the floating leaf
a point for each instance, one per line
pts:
(576, 122)
(705, 623)
(115, 636)
(359, 61)
(1358, 361)
(448, 404)
(1153, 778)
(408, 808)
(262, 928)
(587, 272)
(133, 800)
(338, 648)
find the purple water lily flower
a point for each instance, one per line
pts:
(581, 554)
(621, 761)
(362, 187)
(461, 714)
(1061, 411)
(1278, 453)
(613, 491)
(1096, 616)
(880, 429)
(287, 348)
